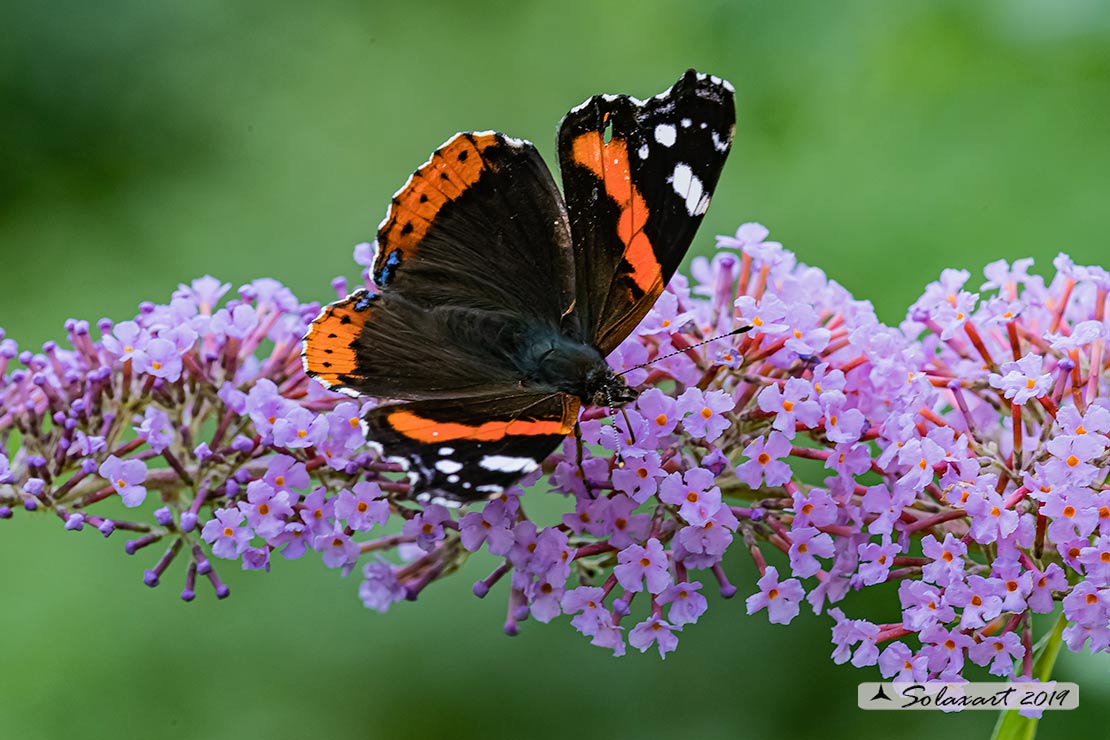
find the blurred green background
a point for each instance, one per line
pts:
(143, 144)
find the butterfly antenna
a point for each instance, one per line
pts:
(732, 333)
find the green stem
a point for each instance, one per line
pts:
(1011, 725)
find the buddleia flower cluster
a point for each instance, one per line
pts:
(962, 455)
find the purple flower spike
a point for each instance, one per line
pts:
(363, 509)
(779, 599)
(161, 359)
(125, 476)
(653, 631)
(380, 588)
(686, 603)
(163, 516)
(639, 564)
(764, 464)
(704, 413)
(1022, 380)
(773, 411)
(490, 526)
(226, 533)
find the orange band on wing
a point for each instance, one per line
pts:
(453, 167)
(609, 163)
(429, 430)
(328, 353)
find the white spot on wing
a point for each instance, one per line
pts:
(643, 151)
(427, 498)
(665, 134)
(686, 122)
(448, 466)
(452, 479)
(721, 146)
(489, 488)
(688, 187)
(508, 464)
(444, 451)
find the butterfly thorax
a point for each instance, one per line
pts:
(573, 367)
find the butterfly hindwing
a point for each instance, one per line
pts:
(470, 449)
(482, 225)
(638, 177)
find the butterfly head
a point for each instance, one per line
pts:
(606, 388)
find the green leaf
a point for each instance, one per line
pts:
(1011, 725)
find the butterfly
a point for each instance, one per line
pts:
(497, 298)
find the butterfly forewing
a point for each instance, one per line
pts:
(473, 254)
(482, 225)
(638, 177)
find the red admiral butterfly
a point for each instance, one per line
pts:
(499, 298)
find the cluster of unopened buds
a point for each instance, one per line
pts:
(963, 455)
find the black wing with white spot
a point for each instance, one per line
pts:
(637, 178)
(469, 449)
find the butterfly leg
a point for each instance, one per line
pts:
(579, 446)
